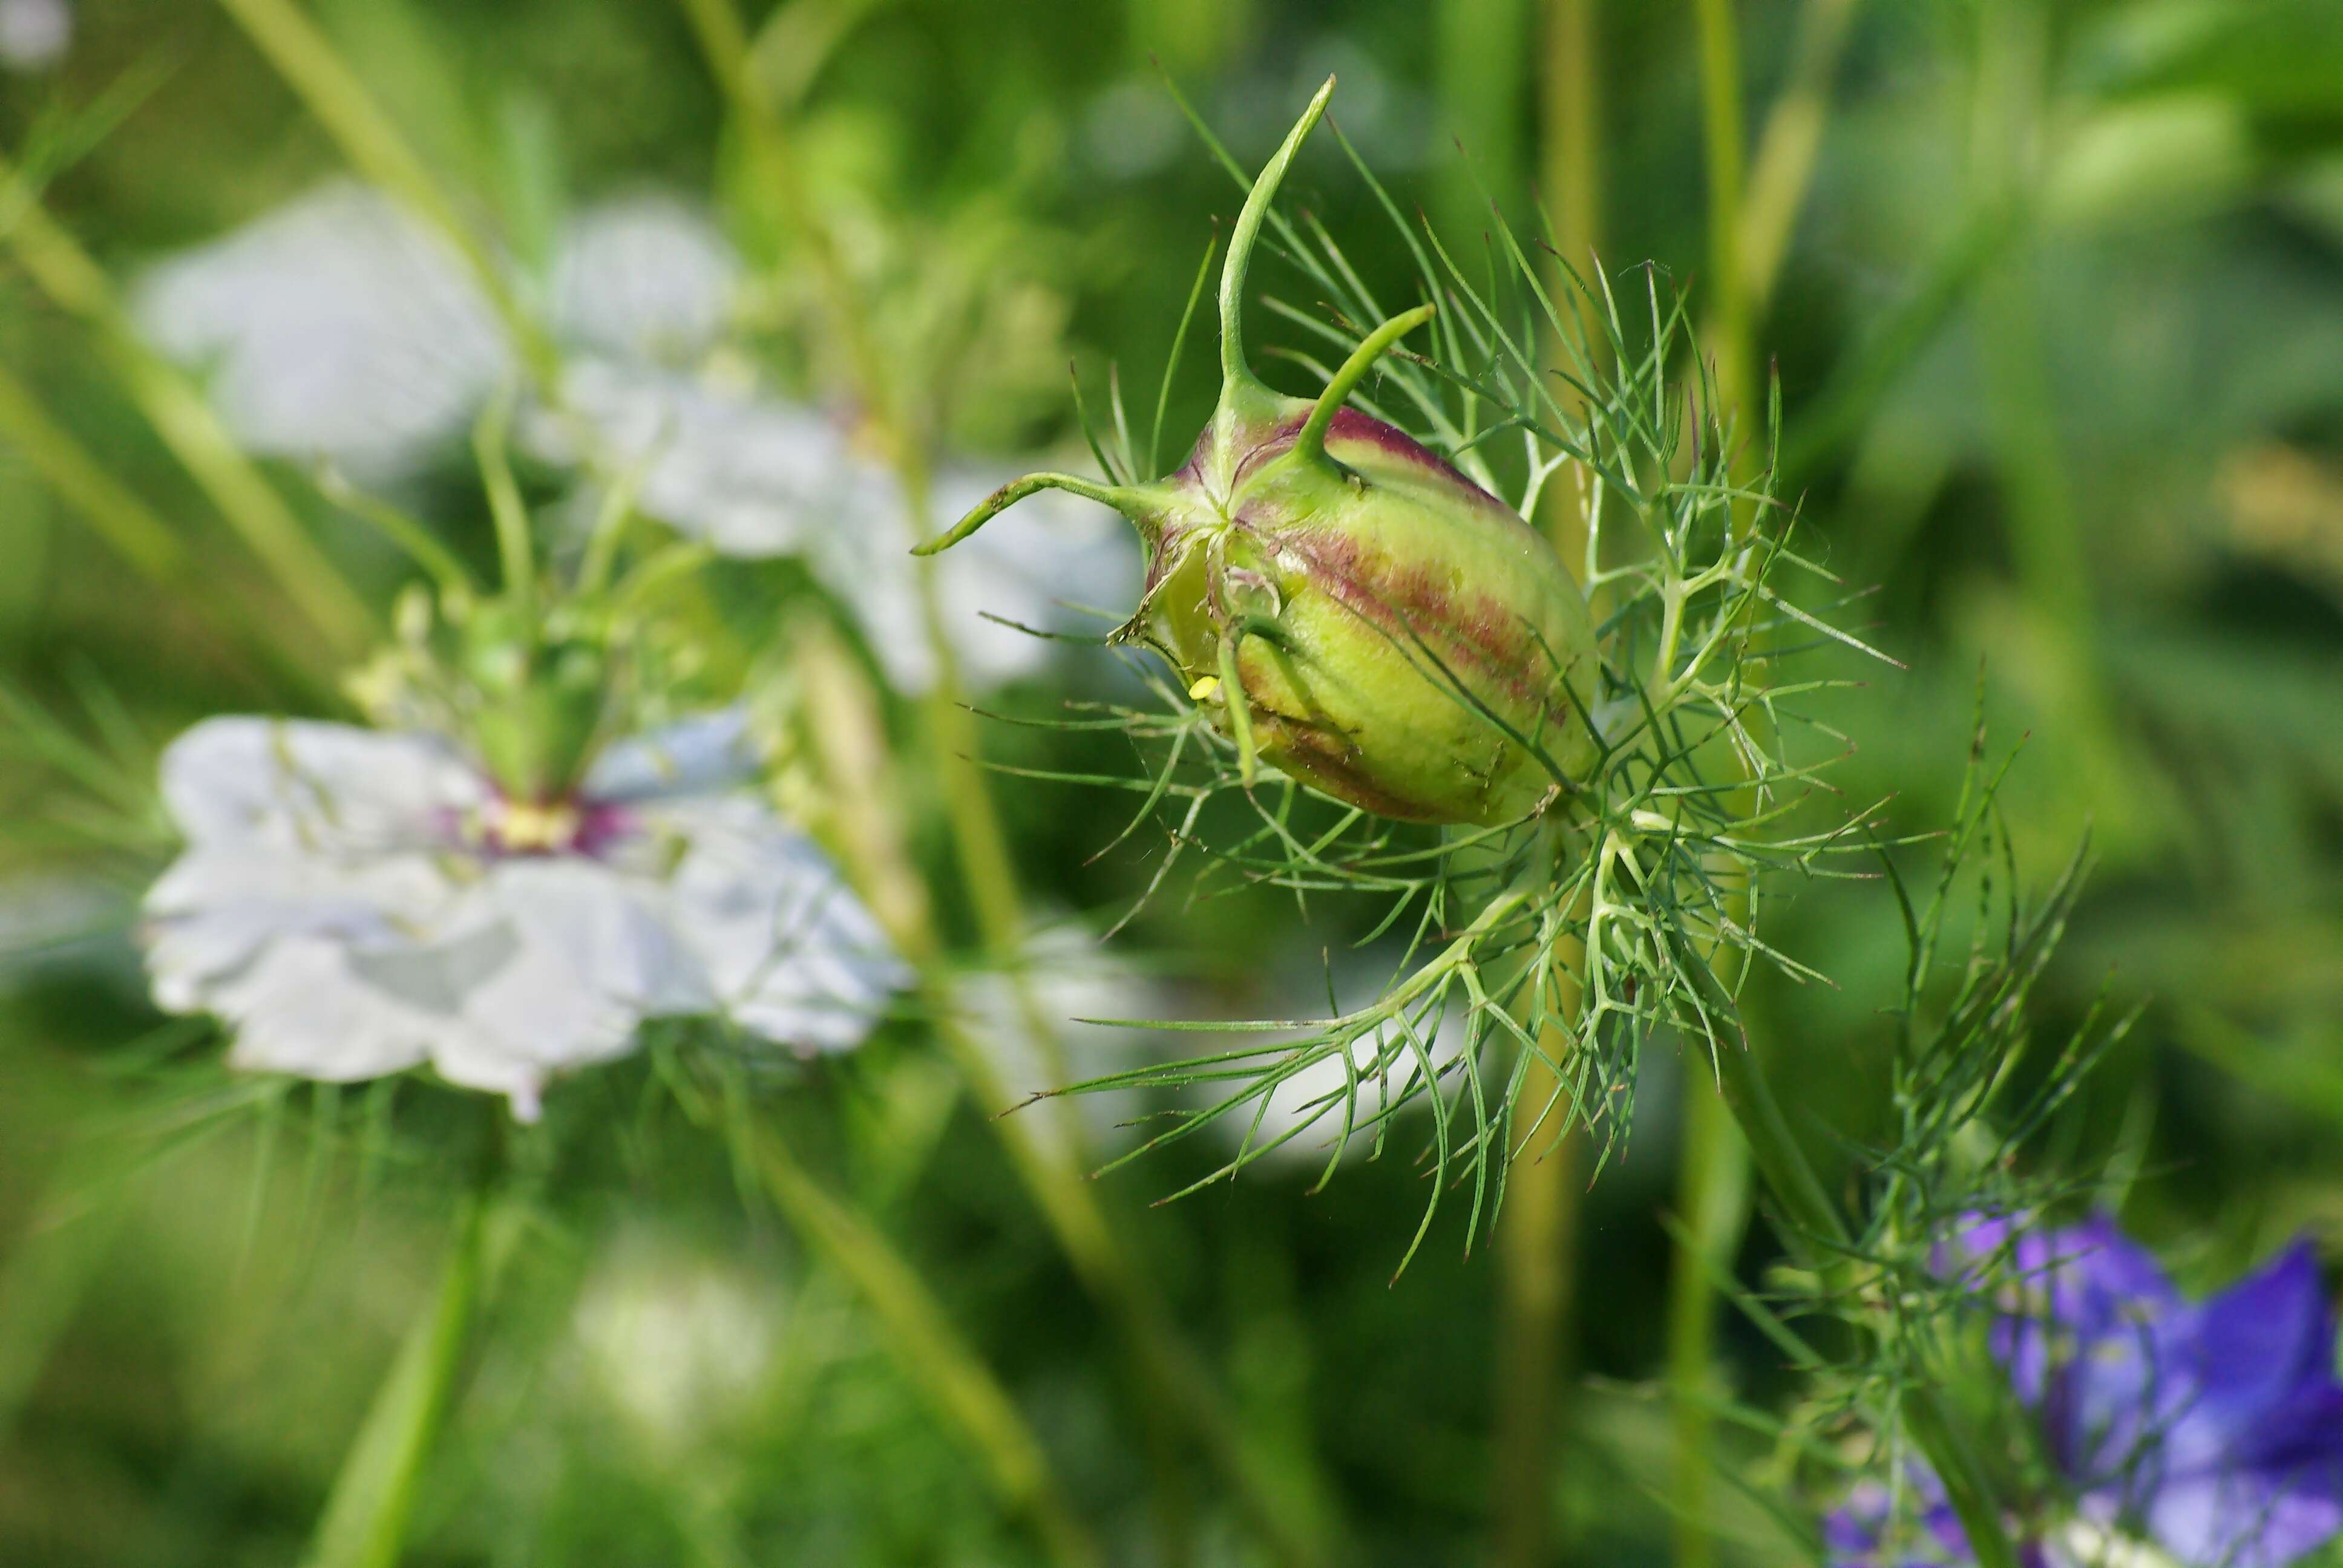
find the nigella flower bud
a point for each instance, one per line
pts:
(1363, 616)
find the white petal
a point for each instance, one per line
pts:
(215, 908)
(711, 751)
(302, 1010)
(35, 33)
(1072, 978)
(299, 784)
(792, 955)
(647, 278)
(1043, 565)
(606, 927)
(335, 325)
(753, 476)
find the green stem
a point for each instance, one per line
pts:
(372, 1504)
(136, 534)
(1123, 498)
(179, 414)
(1712, 1197)
(367, 137)
(1537, 1250)
(1713, 1170)
(920, 1337)
(1720, 98)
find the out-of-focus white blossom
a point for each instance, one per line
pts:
(335, 326)
(758, 477)
(35, 33)
(340, 327)
(677, 1341)
(354, 903)
(1071, 979)
(646, 278)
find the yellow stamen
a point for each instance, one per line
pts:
(1203, 690)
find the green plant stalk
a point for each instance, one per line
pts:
(372, 1504)
(920, 1336)
(1178, 1381)
(178, 411)
(1537, 1228)
(125, 521)
(1536, 1253)
(367, 137)
(1712, 1169)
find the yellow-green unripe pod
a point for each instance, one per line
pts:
(1365, 617)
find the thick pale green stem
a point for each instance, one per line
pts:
(1712, 1200)
(1536, 1253)
(1309, 444)
(1713, 1171)
(1234, 370)
(921, 1338)
(372, 1504)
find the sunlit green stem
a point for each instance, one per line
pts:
(141, 538)
(1234, 370)
(1712, 1200)
(516, 556)
(372, 1504)
(1536, 1254)
(919, 1336)
(178, 411)
(1712, 1172)
(1310, 443)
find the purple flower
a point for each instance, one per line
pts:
(2213, 1430)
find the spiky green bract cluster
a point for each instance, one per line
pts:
(1624, 908)
(1885, 1319)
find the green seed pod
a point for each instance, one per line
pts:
(1367, 619)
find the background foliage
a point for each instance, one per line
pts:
(2055, 322)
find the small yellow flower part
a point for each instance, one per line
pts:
(1203, 690)
(526, 827)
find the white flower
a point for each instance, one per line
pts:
(335, 327)
(35, 33)
(1071, 979)
(677, 1340)
(340, 327)
(355, 903)
(646, 278)
(757, 476)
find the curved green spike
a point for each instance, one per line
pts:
(1233, 368)
(1130, 501)
(1311, 444)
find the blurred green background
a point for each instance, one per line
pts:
(2054, 293)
